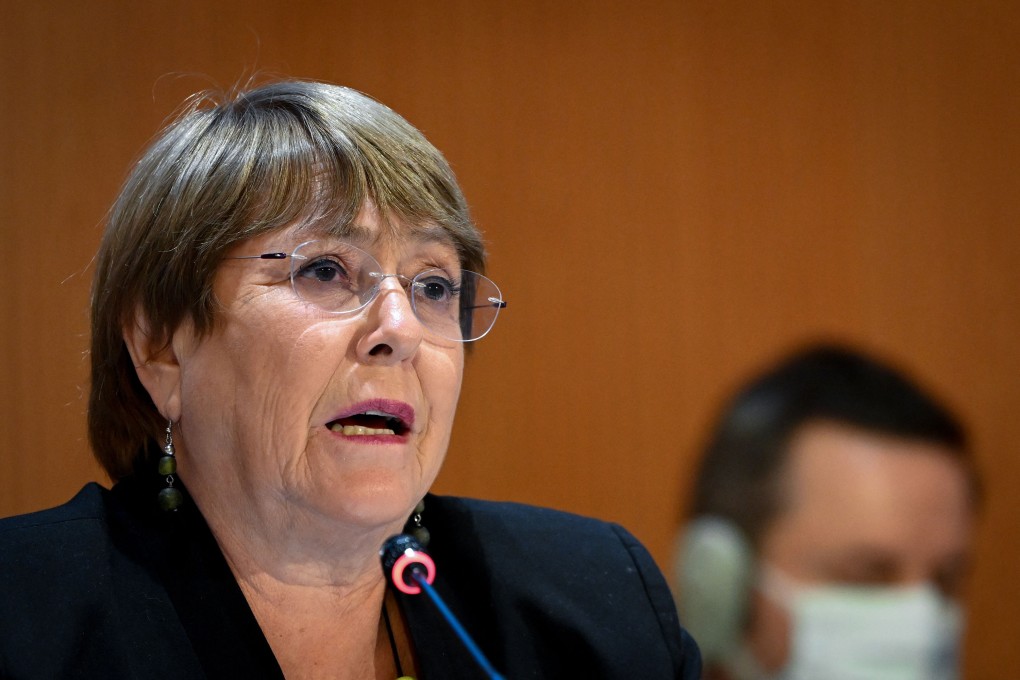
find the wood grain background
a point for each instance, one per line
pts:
(674, 193)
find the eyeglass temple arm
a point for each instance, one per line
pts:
(493, 302)
(263, 256)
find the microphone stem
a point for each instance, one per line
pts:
(455, 624)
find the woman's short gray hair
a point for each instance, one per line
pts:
(224, 172)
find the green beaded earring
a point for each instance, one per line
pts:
(169, 498)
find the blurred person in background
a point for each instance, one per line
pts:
(830, 532)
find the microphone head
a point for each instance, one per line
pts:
(402, 559)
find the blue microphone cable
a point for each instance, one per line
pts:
(455, 624)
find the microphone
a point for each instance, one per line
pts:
(412, 571)
(402, 559)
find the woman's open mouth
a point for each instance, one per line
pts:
(370, 422)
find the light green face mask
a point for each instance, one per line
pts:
(864, 632)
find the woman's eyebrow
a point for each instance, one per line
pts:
(363, 236)
(353, 233)
(432, 234)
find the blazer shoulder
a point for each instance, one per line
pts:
(57, 548)
(541, 533)
(508, 517)
(88, 506)
(79, 597)
(554, 566)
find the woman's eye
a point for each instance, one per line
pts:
(325, 271)
(438, 289)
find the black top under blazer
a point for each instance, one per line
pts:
(108, 586)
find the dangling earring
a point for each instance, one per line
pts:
(420, 533)
(169, 498)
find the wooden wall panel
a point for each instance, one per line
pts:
(674, 193)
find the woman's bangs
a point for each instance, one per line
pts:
(300, 180)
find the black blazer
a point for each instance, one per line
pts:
(108, 586)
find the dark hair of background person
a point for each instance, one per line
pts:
(741, 478)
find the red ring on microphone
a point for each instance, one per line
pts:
(406, 560)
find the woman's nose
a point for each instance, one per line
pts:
(394, 332)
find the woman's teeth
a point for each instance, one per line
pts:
(357, 430)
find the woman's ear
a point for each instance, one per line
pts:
(157, 364)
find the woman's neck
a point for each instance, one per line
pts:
(318, 632)
(289, 545)
(322, 623)
(319, 602)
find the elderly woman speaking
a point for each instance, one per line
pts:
(281, 303)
